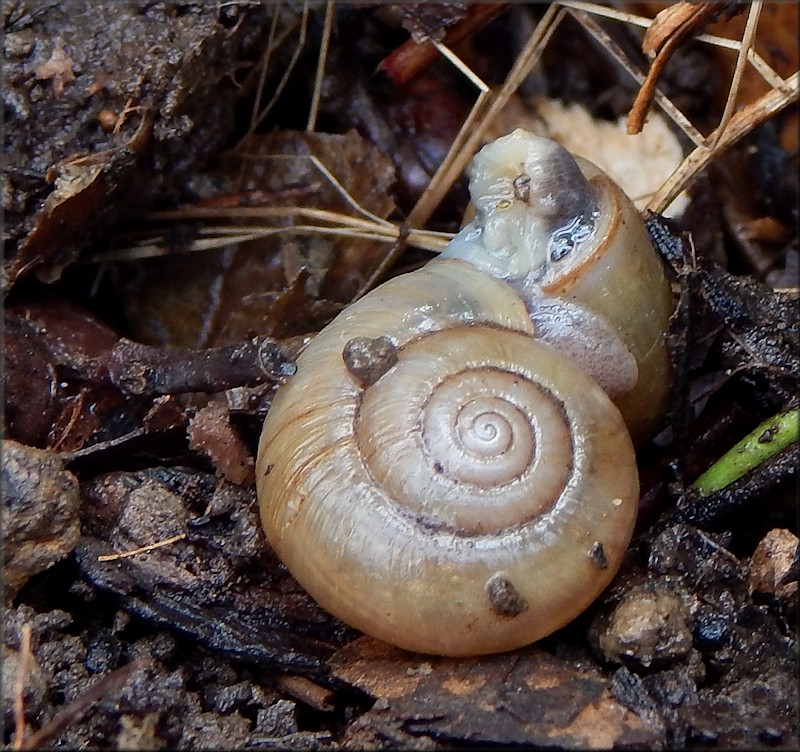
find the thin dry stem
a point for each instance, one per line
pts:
(451, 168)
(76, 410)
(217, 237)
(321, 60)
(268, 212)
(328, 175)
(672, 111)
(19, 687)
(760, 65)
(742, 123)
(301, 41)
(732, 126)
(143, 549)
(342, 191)
(583, 10)
(748, 39)
(262, 77)
(483, 112)
(439, 185)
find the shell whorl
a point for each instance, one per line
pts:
(454, 423)
(478, 453)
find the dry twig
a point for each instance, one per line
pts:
(321, 59)
(19, 687)
(411, 57)
(142, 549)
(259, 114)
(667, 32)
(73, 712)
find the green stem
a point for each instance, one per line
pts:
(763, 442)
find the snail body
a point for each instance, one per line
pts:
(447, 470)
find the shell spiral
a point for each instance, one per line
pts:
(439, 476)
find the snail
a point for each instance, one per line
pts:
(452, 469)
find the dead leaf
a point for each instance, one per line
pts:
(525, 697)
(79, 194)
(220, 297)
(211, 432)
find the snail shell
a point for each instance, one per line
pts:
(438, 473)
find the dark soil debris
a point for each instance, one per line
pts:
(162, 68)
